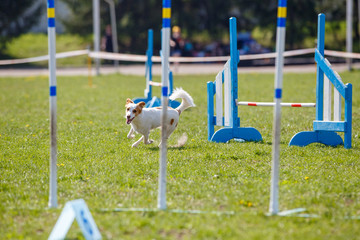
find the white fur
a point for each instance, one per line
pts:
(150, 118)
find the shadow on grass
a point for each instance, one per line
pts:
(174, 148)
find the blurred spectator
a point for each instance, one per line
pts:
(248, 45)
(177, 45)
(106, 41)
(176, 42)
(188, 49)
(183, 47)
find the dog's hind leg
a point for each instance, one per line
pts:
(169, 131)
(146, 139)
(131, 134)
(137, 142)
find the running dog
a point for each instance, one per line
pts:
(143, 120)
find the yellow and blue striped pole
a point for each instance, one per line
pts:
(165, 50)
(279, 64)
(52, 84)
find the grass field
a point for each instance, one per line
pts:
(96, 163)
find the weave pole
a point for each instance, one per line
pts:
(165, 48)
(280, 46)
(279, 64)
(52, 86)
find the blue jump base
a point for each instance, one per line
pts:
(227, 133)
(305, 138)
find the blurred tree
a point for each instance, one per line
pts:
(301, 18)
(80, 20)
(17, 18)
(205, 18)
(134, 18)
(302, 22)
(202, 15)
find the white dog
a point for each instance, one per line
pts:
(143, 120)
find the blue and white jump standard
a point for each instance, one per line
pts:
(325, 129)
(52, 100)
(227, 80)
(148, 98)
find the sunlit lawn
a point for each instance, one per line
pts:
(96, 163)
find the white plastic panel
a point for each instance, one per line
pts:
(337, 105)
(227, 93)
(219, 99)
(327, 99)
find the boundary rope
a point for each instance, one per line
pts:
(143, 58)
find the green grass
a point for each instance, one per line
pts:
(96, 163)
(34, 45)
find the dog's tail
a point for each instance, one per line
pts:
(187, 100)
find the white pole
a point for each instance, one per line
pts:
(349, 40)
(280, 45)
(113, 30)
(52, 87)
(96, 28)
(165, 49)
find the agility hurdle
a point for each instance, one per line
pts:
(148, 98)
(227, 116)
(229, 119)
(325, 129)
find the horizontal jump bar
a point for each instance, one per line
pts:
(271, 104)
(157, 84)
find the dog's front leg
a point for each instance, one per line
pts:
(147, 140)
(131, 134)
(137, 142)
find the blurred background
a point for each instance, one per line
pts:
(200, 27)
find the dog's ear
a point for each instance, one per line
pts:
(142, 104)
(128, 101)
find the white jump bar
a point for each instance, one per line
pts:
(272, 104)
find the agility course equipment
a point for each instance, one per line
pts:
(279, 64)
(149, 99)
(228, 78)
(226, 82)
(271, 104)
(225, 90)
(52, 101)
(325, 129)
(165, 48)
